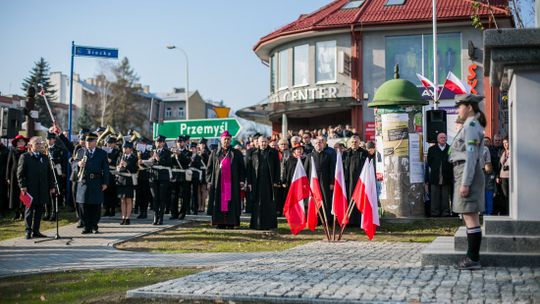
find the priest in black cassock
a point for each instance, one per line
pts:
(325, 165)
(226, 175)
(263, 179)
(352, 166)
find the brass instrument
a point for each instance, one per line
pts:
(135, 136)
(109, 130)
(80, 176)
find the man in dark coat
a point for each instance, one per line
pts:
(226, 175)
(195, 167)
(35, 177)
(352, 165)
(17, 149)
(262, 178)
(325, 165)
(4, 205)
(58, 154)
(160, 178)
(94, 181)
(143, 194)
(281, 192)
(111, 199)
(440, 177)
(180, 162)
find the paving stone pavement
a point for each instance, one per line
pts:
(92, 251)
(351, 272)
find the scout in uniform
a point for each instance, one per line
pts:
(143, 193)
(466, 157)
(110, 194)
(93, 178)
(58, 154)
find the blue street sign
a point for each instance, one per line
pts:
(89, 51)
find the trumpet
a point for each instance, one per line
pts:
(80, 176)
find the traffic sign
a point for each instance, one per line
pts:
(197, 128)
(90, 51)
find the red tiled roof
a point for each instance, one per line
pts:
(374, 12)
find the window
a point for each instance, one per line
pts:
(353, 4)
(414, 54)
(273, 70)
(301, 55)
(168, 112)
(394, 2)
(325, 61)
(283, 69)
(181, 112)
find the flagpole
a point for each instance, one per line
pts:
(349, 212)
(435, 76)
(325, 220)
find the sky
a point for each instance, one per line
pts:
(218, 37)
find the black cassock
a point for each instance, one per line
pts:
(325, 166)
(231, 217)
(262, 174)
(352, 166)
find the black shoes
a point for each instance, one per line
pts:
(125, 222)
(38, 235)
(86, 231)
(182, 216)
(80, 225)
(467, 264)
(28, 236)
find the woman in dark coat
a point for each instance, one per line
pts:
(18, 148)
(125, 188)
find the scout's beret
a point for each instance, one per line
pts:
(161, 138)
(51, 135)
(468, 99)
(225, 134)
(14, 141)
(127, 144)
(91, 136)
(111, 139)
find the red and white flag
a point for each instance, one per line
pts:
(42, 92)
(339, 198)
(426, 83)
(315, 198)
(294, 203)
(365, 196)
(454, 84)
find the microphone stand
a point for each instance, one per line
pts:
(57, 187)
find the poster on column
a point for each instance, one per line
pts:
(395, 132)
(379, 161)
(416, 159)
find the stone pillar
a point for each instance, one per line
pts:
(284, 125)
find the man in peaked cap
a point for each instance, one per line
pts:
(111, 199)
(94, 181)
(160, 178)
(58, 154)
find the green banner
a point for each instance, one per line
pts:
(197, 128)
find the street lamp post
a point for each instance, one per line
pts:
(171, 47)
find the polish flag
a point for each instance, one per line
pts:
(365, 196)
(339, 198)
(42, 92)
(294, 205)
(454, 84)
(426, 82)
(315, 198)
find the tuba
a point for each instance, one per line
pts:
(109, 130)
(134, 136)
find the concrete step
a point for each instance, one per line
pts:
(442, 252)
(499, 243)
(503, 225)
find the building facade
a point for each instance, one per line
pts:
(325, 66)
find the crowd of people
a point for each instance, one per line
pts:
(180, 178)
